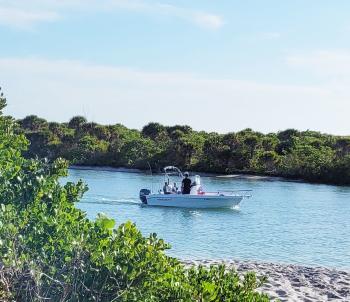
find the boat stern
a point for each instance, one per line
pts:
(143, 195)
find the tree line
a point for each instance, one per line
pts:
(307, 155)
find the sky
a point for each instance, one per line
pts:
(216, 65)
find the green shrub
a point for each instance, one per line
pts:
(50, 250)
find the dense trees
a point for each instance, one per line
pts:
(291, 153)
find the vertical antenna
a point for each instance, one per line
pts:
(150, 169)
(84, 112)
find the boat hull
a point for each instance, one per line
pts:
(193, 201)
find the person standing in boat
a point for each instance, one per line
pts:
(186, 184)
(175, 188)
(166, 188)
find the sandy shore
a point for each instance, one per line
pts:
(252, 177)
(293, 282)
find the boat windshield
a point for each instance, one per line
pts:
(172, 178)
(197, 180)
(173, 171)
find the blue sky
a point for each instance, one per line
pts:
(215, 65)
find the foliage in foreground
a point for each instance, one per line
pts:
(50, 250)
(308, 155)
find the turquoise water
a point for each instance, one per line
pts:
(288, 222)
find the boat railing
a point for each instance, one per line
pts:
(231, 192)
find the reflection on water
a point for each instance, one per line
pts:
(283, 221)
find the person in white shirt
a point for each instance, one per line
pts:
(175, 188)
(166, 188)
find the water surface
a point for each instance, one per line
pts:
(289, 222)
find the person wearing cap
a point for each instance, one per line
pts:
(186, 184)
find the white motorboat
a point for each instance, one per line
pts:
(198, 197)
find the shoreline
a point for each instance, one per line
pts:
(239, 176)
(106, 168)
(203, 174)
(290, 282)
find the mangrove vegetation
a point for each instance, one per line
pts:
(307, 155)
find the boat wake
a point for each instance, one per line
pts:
(110, 201)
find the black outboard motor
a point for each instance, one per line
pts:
(143, 194)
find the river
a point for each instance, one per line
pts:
(287, 222)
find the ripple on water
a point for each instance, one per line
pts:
(283, 221)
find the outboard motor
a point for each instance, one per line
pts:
(143, 194)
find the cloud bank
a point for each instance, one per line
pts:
(323, 62)
(59, 89)
(19, 18)
(24, 13)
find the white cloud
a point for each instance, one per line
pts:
(331, 68)
(202, 19)
(29, 12)
(58, 90)
(333, 63)
(270, 35)
(23, 18)
(208, 20)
